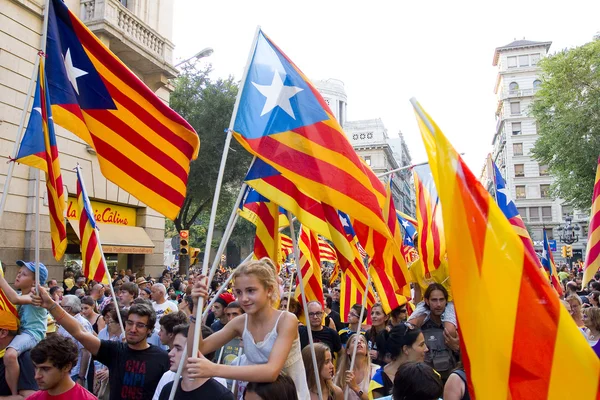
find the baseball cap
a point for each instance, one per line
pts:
(30, 265)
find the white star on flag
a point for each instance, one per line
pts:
(506, 194)
(277, 94)
(73, 72)
(405, 224)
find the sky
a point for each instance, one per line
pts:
(386, 52)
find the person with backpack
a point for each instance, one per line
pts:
(443, 346)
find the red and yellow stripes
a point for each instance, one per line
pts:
(430, 241)
(326, 252)
(5, 304)
(94, 266)
(592, 254)
(353, 283)
(515, 335)
(310, 264)
(266, 241)
(286, 245)
(143, 146)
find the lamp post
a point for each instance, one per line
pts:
(569, 233)
(201, 54)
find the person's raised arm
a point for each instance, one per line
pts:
(10, 293)
(71, 325)
(286, 333)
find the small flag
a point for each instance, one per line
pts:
(550, 267)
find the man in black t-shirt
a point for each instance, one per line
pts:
(320, 333)
(192, 389)
(134, 367)
(26, 384)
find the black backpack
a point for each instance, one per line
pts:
(439, 356)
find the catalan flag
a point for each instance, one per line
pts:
(286, 245)
(5, 304)
(283, 120)
(509, 209)
(250, 204)
(409, 230)
(326, 252)
(310, 266)
(515, 334)
(335, 274)
(38, 149)
(550, 266)
(430, 243)
(143, 146)
(353, 283)
(592, 254)
(94, 264)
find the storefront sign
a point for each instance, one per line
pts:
(105, 213)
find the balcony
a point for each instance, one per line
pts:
(140, 47)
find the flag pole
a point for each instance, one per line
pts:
(305, 305)
(36, 197)
(213, 212)
(360, 319)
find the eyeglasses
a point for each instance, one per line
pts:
(315, 314)
(138, 325)
(336, 290)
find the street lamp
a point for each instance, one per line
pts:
(201, 54)
(568, 233)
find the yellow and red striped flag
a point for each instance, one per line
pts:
(38, 149)
(266, 241)
(592, 254)
(94, 264)
(286, 245)
(515, 334)
(143, 146)
(335, 274)
(327, 253)
(353, 283)
(5, 304)
(310, 264)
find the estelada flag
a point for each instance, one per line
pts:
(283, 120)
(143, 146)
(38, 149)
(514, 332)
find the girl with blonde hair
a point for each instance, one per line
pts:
(359, 378)
(271, 343)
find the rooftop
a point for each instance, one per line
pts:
(517, 44)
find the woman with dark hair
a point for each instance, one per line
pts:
(405, 343)
(417, 381)
(282, 388)
(89, 312)
(594, 298)
(326, 368)
(379, 320)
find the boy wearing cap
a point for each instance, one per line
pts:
(218, 310)
(33, 319)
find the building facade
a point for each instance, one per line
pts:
(516, 83)
(139, 32)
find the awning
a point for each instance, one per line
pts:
(121, 239)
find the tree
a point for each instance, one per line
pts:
(207, 105)
(567, 109)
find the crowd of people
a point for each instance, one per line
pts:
(71, 340)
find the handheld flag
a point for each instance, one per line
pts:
(283, 120)
(94, 265)
(38, 149)
(5, 304)
(143, 146)
(310, 264)
(592, 254)
(550, 267)
(488, 260)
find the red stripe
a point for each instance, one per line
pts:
(537, 311)
(435, 233)
(593, 253)
(149, 119)
(306, 203)
(137, 172)
(388, 288)
(315, 169)
(270, 223)
(595, 222)
(139, 140)
(423, 250)
(260, 251)
(111, 62)
(596, 185)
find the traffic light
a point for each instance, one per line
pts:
(563, 251)
(569, 251)
(184, 243)
(194, 255)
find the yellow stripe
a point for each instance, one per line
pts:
(135, 154)
(72, 123)
(34, 161)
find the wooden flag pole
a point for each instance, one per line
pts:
(213, 212)
(360, 318)
(36, 197)
(305, 305)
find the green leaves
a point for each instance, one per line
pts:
(567, 108)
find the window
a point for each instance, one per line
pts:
(519, 170)
(522, 212)
(545, 191)
(513, 87)
(544, 170)
(549, 233)
(537, 84)
(567, 210)
(535, 58)
(512, 62)
(368, 160)
(534, 214)
(523, 61)
(518, 149)
(520, 192)
(547, 214)
(516, 128)
(515, 108)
